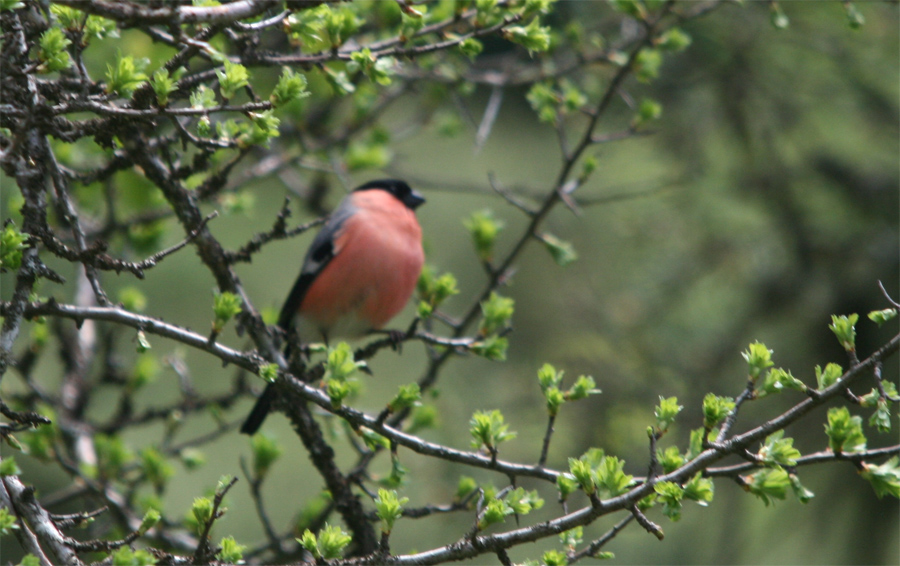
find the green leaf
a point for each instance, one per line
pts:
(146, 368)
(98, 27)
(777, 380)
(291, 86)
(435, 290)
(496, 312)
(12, 244)
(648, 111)
(155, 467)
(844, 328)
(53, 54)
(881, 418)
(225, 306)
(266, 451)
(844, 431)
(666, 412)
(554, 558)
(633, 8)
(484, 228)
(523, 502)
(802, 494)
(768, 484)
(163, 85)
(885, 479)
(567, 484)
(759, 359)
(127, 557)
(203, 97)
(389, 508)
(367, 154)
(647, 64)
(563, 252)
(202, 510)
(9, 5)
(699, 489)
(7, 521)
(670, 494)
(230, 552)
(670, 459)
(470, 47)
(544, 100)
(465, 486)
(882, 316)
(492, 348)
(408, 396)
(611, 477)
(423, 417)
(675, 39)
(269, 372)
(340, 364)
(192, 458)
(572, 538)
(8, 467)
(489, 430)
(496, 511)
(548, 377)
(232, 76)
(778, 450)
(262, 128)
(828, 376)
(716, 409)
(125, 76)
(555, 399)
(308, 541)
(332, 540)
(584, 474)
(532, 37)
(132, 299)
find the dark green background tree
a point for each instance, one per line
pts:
(650, 186)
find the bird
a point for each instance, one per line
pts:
(358, 273)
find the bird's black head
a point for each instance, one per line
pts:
(399, 189)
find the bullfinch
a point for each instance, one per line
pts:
(359, 272)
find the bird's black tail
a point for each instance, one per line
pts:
(260, 411)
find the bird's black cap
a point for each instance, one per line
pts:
(399, 189)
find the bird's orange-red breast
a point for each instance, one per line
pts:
(359, 272)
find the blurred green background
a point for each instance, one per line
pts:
(766, 200)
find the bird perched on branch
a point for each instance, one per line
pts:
(358, 274)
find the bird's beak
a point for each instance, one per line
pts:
(413, 200)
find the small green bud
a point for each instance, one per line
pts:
(151, 518)
(8, 467)
(232, 76)
(230, 552)
(844, 328)
(484, 228)
(202, 510)
(828, 376)
(291, 86)
(389, 508)
(882, 316)
(225, 306)
(488, 429)
(265, 452)
(563, 252)
(666, 412)
(759, 359)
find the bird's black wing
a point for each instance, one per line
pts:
(321, 251)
